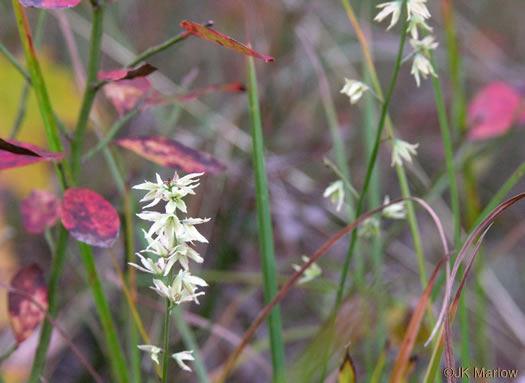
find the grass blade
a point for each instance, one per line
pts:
(264, 219)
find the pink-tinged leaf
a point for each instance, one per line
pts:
(127, 73)
(40, 210)
(212, 35)
(126, 94)
(171, 154)
(24, 315)
(234, 87)
(493, 111)
(12, 154)
(89, 217)
(50, 4)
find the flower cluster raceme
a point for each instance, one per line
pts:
(418, 14)
(169, 244)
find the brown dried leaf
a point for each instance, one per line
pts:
(24, 315)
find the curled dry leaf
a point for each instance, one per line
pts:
(40, 210)
(50, 4)
(171, 154)
(24, 315)
(14, 154)
(89, 217)
(493, 111)
(126, 73)
(212, 35)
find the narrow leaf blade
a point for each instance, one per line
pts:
(212, 35)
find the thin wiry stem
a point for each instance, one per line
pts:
(373, 157)
(165, 354)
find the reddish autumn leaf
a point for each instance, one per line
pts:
(126, 94)
(24, 315)
(40, 210)
(234, 87)
(15, 154)
(493, 111)
(126, 73)
(89, 217)
(172, 154)
(212, 35)
(50, 4)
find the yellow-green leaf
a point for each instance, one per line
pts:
(347, 370)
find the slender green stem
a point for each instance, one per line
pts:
(90, 91)
(15, 63)
(373, 157)
(472, 200)
(118, 363)
(8, 353)
(158, 48)
(190, 343)
(112, 132)
(57, 265)
(44, 104)
(266, 244)
(165, 354)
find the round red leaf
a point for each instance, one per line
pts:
(493, 111)
(24, 315)
(40, 210)
(90, 218)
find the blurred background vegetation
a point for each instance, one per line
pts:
(297, 139)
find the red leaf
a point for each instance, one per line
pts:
(212, 35)
(50, 4)
(127, 73)
(171, 154)
(89, 217)
(126, 94)
(234, 87)
(11, 159)
(40, 210)
(24, 315)
(492, 111)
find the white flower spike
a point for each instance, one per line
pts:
(182, 356)
(336, 192)
(402, 151)
(154, 351)
(354, 89)
(421, 66)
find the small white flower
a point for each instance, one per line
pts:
(336, 192)
(310, 273)
(425, 45)
(154, 351)
(184, 253)
(414, 24)
(155, 191)
(417, 9)
(354, 89)
(161, 268)
(180, 357)
(369, 227)
(389, 8)
(187, 231)
(402, 151)
(421, 66)
(183, 288)
(395, 211)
